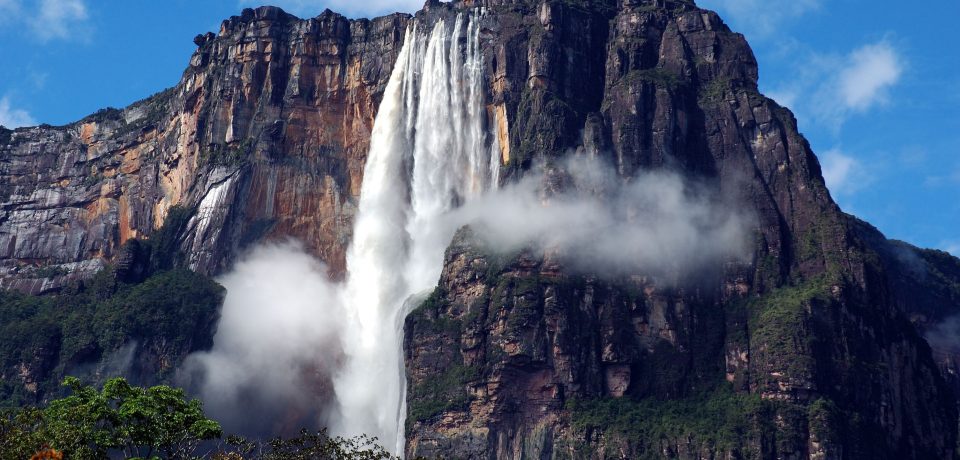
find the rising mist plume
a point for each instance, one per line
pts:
(276, 344)
(655, 223)
(279, 347)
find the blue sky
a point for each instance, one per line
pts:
(875, 84)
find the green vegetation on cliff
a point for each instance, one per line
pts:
(143, 307)
(781, 335)
(717, 421)
(442, 393)
(44, 338)
(446, 391)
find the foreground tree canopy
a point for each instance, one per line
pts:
(159, 422)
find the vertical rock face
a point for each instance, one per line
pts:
(264, 136)
(808, 351)
(831, 342)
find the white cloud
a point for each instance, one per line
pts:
(829, 88)
(62, 19)
(279, 311)
(659, 223)
(760, 17)
(14, 118)
(843, 173)
(349, 8)
(48, 19)
(871, 70)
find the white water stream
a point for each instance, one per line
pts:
(429, 153)
(432, 165)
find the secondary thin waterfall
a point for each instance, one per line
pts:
(429, 152)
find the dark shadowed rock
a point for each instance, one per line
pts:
(521, 358)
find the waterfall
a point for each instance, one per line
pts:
(429, 153)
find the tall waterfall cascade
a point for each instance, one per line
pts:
(430, 151)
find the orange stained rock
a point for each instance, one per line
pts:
(87, 131)
(130, 162)
(97, 208)
(126, 231)
(503, 131)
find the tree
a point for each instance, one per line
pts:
(88, 424)
(18, 433)
(151, 423)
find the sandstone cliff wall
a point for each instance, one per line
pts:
(265, 136)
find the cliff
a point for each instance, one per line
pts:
(828, 343)
(264, 136)
(813, 349)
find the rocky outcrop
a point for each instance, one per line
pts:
(265, 136)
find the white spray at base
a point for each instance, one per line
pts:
(429, 153)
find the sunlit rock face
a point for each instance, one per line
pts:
(265, 136)
(828, 342)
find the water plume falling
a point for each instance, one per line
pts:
(429, 153)
(288, 333)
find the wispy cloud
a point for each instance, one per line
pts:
(947, 178)
(11, 117)
(843, 173)
(836, 169)
(60, 19)
(48, 19)
(658, 223)
(836, 87)
(350, 8)
(760, 18)
(784, 96)
(9, 11)
(869, 72)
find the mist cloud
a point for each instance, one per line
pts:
(276, 344)
(656, 223)
(945, 336)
